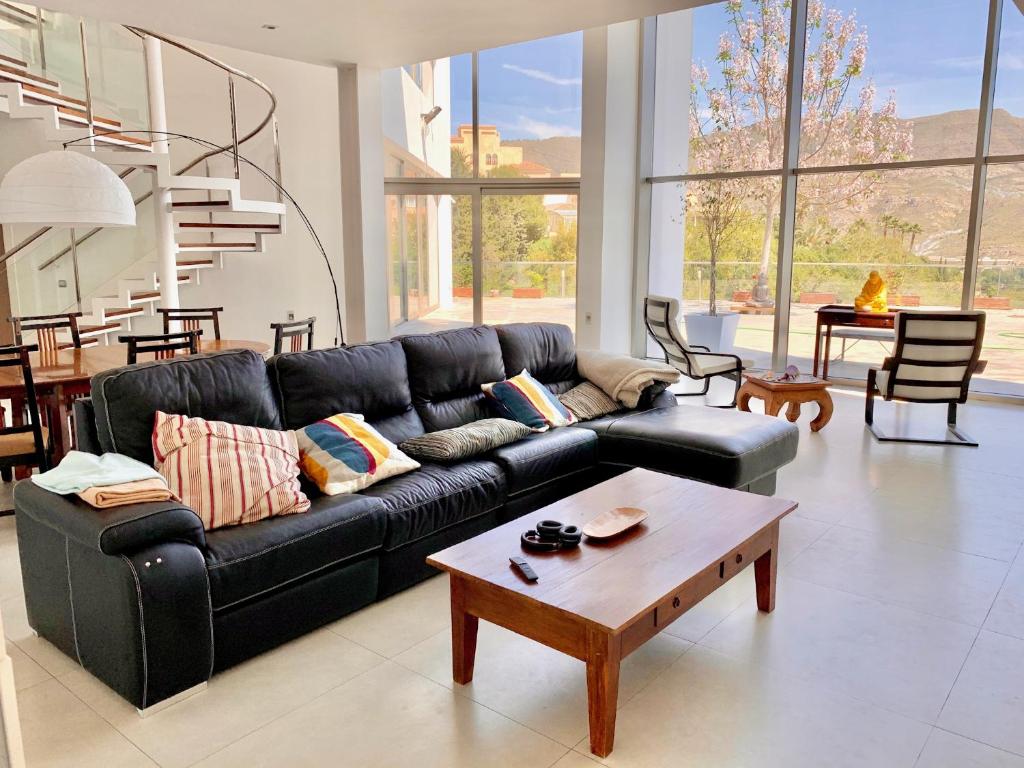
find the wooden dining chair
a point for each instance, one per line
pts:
(45, 328)
(190, 318)
(25, 445)
(163, 345)
(293, 330)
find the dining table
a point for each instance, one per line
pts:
(61, 376)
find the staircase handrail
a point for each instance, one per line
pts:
(270, 117)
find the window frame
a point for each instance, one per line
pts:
(476, 186)
(791, 170)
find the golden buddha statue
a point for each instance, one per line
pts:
(873, 296)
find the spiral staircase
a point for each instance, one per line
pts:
(211, 215)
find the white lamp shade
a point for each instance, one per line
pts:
(65, 189)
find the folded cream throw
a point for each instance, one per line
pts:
(623, 377)
(135, 492)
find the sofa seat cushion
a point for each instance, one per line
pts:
(249, 560)
(544, 457)
(726, 448)
(436, 497)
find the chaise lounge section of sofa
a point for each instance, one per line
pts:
(153, 605)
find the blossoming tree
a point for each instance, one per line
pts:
(737, 118)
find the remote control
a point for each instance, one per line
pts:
(524, 568)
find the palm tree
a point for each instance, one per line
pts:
(914, 230)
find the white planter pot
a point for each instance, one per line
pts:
(717, 333)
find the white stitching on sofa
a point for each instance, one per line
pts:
(290, 541)
(439, 530)
(71, 598)
(434, 498)
(99, 539)
(142, 632)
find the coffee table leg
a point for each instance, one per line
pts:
(604, 652)
(464, 629)
(824, 412)
(765, 570)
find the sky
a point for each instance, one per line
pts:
(530, 90)
(929, 52)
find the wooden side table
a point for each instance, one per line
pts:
(806, 389)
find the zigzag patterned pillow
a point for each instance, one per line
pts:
(468, 440)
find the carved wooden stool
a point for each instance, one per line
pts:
(806, 389)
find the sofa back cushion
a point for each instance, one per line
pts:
(446, 371)
(229, 386)
(368, 379)
(546, 350)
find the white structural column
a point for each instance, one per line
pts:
(604, 288)
(166, 248)
(362, 196)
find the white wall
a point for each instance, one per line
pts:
(257, 289)
(604, 291)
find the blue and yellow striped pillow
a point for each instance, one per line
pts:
(344, 454)
(529, 402)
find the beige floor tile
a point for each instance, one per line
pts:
(938, 581)
(534, 685)
(59, 730)
(10, 564)
(46, 655)
(987, 702)
(966, 512)
(26, 672)
(391, 717)
(710, 710)
(236, 702)
(575, 760)
(398, 623)
(889, 656)
(1007, 614)
(947, 750)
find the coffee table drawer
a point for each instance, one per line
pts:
(709, 580)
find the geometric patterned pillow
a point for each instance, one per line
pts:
(524, 399)
(228, 474)
(344, 454)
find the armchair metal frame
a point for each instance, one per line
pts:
(891, 365)
(679, 357)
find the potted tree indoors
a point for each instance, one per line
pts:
(717, 204)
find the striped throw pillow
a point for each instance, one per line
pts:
(588, 401)
(529, 402)
(468, 440)
(344, 454)
(228, 474)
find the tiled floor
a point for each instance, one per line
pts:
(897, 641)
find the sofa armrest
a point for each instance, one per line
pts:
(112, 531)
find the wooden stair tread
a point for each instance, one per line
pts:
(103, 134)
(79, 113)
(98, 328)
(14, 61)
(194, 203)
(219, 244)
(17, 71)
(145, 295)
(225, 225)
(52, 94)
(122, 311)
(194, 262)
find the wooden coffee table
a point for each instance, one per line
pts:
(806, 389)
(602, 601)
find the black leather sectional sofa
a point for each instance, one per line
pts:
(153, 605)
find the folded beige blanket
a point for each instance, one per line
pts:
(137, 492)
(623, 377)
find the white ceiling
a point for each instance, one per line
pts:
(372, 32)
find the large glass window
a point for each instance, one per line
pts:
(520, 165)
(529, 259)
(888, 134)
